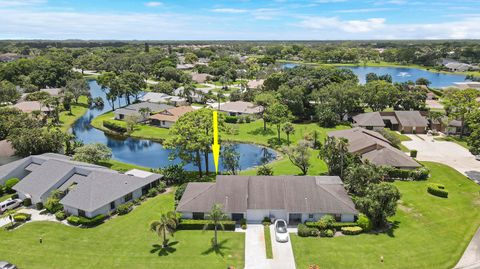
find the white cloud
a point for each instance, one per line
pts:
(20, 3)
(229, 10)
(349, 26)
(363, 10)
(153, 4)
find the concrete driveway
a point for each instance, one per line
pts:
(445, 152)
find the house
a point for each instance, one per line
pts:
(200, 77)
(89, 190)
(240, 108)
(292, 198)
(163, 98)
(185, 66)
(196, 96)
(402, 121)
(467, 85)
(30, 106)
(255, 84)
(55, 92)
(370, 121)
(168, 117)
(372, 146)
(134, 110)
(10, 57)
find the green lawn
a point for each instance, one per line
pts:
(268, 241)
(67, 119)
(430, 232)
(5, 197)
(122, 242)
(400, 137)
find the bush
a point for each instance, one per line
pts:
(174, 174)
(152, 192)
(266, 221)
(90, 222)
(327, 233)
(10, 183)
(364, 222)
(231, 119)
(334, 225)
(14, 196)
(124, 209)
(420, 173)
(114, 126)
(340, 225)
(413, 153)
(326, 222)
(437, 190)
(161, 188)
(265, 170)
(243, 221)
(248, 119)
(191, 224)
(179, 192)
(60, 215)
(304, 231)
(53, 205)
(27, 202)
(39, 206)
(73, 220)
(21, 217)
(2, 190)
(352, 230)
(244, 226)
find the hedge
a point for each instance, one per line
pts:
(89, 222)
(327, 233)
(21, 217)
(352, 230)
(231, 119)
(335, 225)
(114, 126)
(73, 220)
(191, 224)
(437, 190)
(305, 231)
(125, 208)
(60, 215)
(27, 202)
(421, 173)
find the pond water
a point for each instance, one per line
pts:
(148, 153)
(401, 74)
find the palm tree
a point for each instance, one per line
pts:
(165, 226)
(145, 112)
(288, 128)
(216, 216)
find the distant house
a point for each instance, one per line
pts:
(134, 110)
(30, 106)
(196, 96)
(467, 85)
(55, 92)
(255, 84)
(372, 146)
(89, 189)
(402, 121)
(370, 121)
(9, 57)
(240, 108)
(169, 116)
(185, 66)
(200, 77)
(455, 66)
(293, 198)
(162, 98)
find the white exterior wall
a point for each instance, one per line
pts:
(348, 218)
(187, 215)
(256, 215)
(316, 217)
(279, 214)
(166, 124)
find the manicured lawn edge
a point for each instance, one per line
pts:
(268, 241)
(78, 110)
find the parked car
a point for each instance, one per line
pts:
(281, 232)
(7, 265)
(477, 157)
(9, 204)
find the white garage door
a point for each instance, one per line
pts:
(256, 216)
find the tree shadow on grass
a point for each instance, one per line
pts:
(273, 142)
(260, 131)
(219, 249)
(388, 230)
(164, 251)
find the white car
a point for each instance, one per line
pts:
(281, 232)
(477, 157)
(9, 204)
(7, 265)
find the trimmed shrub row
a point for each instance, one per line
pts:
(421, 173)
(352, 230)
(335, 225)
(191, 224)
(114, 126)
(305, 231)
(60, 215)
(21, 217)
(124, 208)
(87, 222)
(437, 190)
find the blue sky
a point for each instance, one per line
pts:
(240, 19)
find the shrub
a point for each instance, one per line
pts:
(243, 222)
(14, 196)
(114, 126)
(21, 217)
(437, 190)
(27, 202)
(421, 173)
(248, 119)
(179, 192)
(161, 187)
(266, 221)
(326, 222)
(124, 209)
(10, 183)
(334, 225)
(39, 206)
(90, 222)
(413, 153)
(191, 224)
(174, 174)
(340, 225)
(364, 222)
(152, 192)
(352, 230)
(60, 215)
(326, 233)
(53, 205)
(265, 170)
(2, 190)
(244, 226)
(73, 220)
(304, 231)
(240, 119)
(231, 119)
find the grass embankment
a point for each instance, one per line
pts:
(401, 138)
(122, 242)
(78, 110)
(268, 241)
(428, 231)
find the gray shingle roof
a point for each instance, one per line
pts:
(300, 194)
(411, 118)
(369, 119)
(390, 156)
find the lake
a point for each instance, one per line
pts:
(148, 153)
(402, 74)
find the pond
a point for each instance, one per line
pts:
(402, 74)
(148, 153)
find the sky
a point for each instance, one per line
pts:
(239, 19)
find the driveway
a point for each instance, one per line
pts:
(445, 152)
(471, 256)
(255, 253)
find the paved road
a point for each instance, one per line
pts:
(471, 256)
(447, 153)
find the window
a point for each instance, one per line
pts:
(128, 197)
(338, 217)
(81, 213)
(112, 205)
(198, 215)
(163, 122)
(310, 216)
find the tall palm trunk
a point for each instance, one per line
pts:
(199, 164)
(206, 161)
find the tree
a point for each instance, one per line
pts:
(216, 218)
(67, 101)
(473, 140)
(131, 121)
(289, 129)
(92, 153)
(326, 117)
(133, 84)
(341, 98)
(34, 141)
(359, 177)
(299, 155)
(423, 81)
(166, 225)
(52, 204)
(78, 87)
(379, 94)
(379, 203)
(190, 58)
(8, 92)
(145, 112)
(265, 170)
(336, 156)
(460, 103)
(278, 114)
(231, 158)
(264, 100)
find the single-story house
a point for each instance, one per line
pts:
(163, 98)
(370, 121)
(255, 84)
(402, 121)
(9, 57)
(30, 106)
(89, 190)
(134, 110)
(185, 66)
(200, 77)
(372, 146)
(292, 198)
(55, 92)
(169, 116)
(467, 85)
(196, 96)
(240, 108)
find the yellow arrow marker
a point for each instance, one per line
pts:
(215, 146)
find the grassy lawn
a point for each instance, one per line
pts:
(122, 242)
(455, 139)
(67, 119)
(430, 232)
(268, 242)
(400, 137)
(5, 197)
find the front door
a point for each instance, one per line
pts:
(237, 216)
(294, 218)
